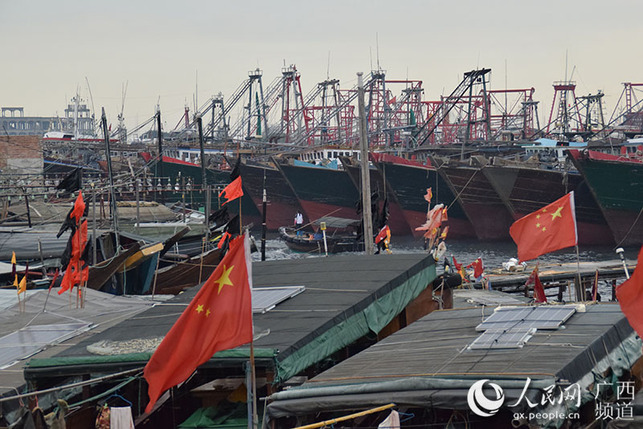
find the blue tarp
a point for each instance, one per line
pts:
(331, 165)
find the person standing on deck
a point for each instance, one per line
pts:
(299, 221)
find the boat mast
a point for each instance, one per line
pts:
(367, 216)
(159, 169)
(108, 156)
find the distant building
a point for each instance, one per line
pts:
(78, 120)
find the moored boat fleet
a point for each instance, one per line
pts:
(358, 332)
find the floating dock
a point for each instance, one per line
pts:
(556, 275)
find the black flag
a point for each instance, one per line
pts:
(219, 217)
(73, 181)
(233, 227)
(235, 171)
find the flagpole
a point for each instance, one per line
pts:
(580, 295)
(253, 369)
(253, 375)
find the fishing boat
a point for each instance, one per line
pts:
(615, 182)
(341, 236)
(525, 188)
(177, 173)
(183, 274)
(281, 201)
(321, 190)
(409, 180)
(487, 212)
(395, 219)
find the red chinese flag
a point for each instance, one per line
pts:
(218, 318)
(233, 191)
(551, 228)
(630, 297)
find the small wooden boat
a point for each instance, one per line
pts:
(100, 273)
(341, 236)
(174, 278)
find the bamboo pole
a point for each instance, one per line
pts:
(348, 417)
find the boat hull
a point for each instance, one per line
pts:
(616, 184)
(410, 184)
(334, 243)
(281, 201)
(179, 171)
(525, 189)
(397, 218)
(487, 212)
(322, 192)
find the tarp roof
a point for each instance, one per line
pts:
(345, 298)
(428, 364)
(101, 310)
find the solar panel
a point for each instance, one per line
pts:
(511, 339)
(542, 317)
(31, 339)
(266, 298)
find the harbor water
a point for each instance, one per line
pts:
(493, 254)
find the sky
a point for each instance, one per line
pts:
(174, 53)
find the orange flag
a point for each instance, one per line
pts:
(13, 269)
(218, 318)
(233, 191)
(429, 195)
(630, 297)
(79, 207)
(76, 271)
(22, 287)
(539, 290)
(551, 228)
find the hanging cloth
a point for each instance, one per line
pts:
(391, 422)
(121, 418)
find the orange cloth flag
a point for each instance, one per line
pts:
(233, 191)
(22, 287)
(76, 271)
(79, 208)
(630, 297)
(429, 195)
(539, 290)
(551, 228)
(218, 318)
(13, 269)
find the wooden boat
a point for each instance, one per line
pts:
(341, 236)
(100, 273)
(174, 278)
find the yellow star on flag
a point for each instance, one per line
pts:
(537, 225)
(207, 312)
(199, 308)
(557, 213)
(544, 228)
(225, 278)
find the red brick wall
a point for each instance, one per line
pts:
(18, 152)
